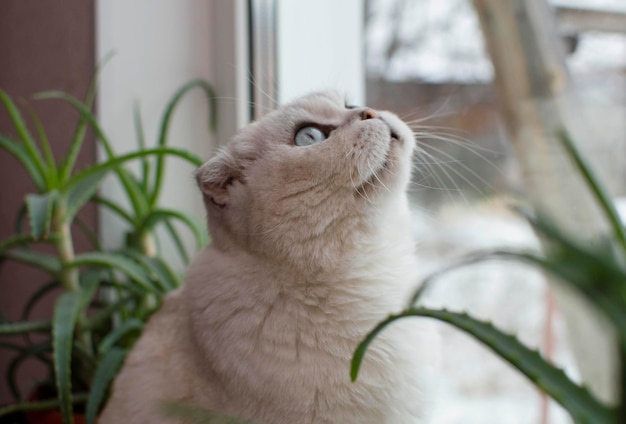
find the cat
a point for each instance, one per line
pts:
(311, 248)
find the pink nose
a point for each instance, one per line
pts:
(368, 114)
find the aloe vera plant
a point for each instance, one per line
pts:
(597, 271)
(106, 296)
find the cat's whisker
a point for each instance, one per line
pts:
(445, 167)
(375, 175)
(237, 100)
(462, 165)
(272, 100)
(356, 189)
(439, 179)
(410, 114)
(436, 113)
(461, 142)
(367, 182)
(349, 153)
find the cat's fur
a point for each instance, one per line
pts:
(311, 248)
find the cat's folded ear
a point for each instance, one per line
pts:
(216, 176)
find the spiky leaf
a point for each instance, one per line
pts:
(157, 269)
(22, 131)
(105, 373)
(165, 122)
(160, 215)
(81, 192)
(37, 296)
(21, 154)
(53, 177)
(178, 242)
(23, 327)
(133, 325)
(37, 351)
(79, 134)
(17, 240)
(39, 208)
(66, 312)
(43, 261)
(601, 195)
(39, 406)
(117, 262)
(582, 406)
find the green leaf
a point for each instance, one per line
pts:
(21, 154)
(104, 314)
(48, 263)
(88, 233)
(105, 373)
(596, 284)
(66, 312)
(20, 219)
(39, 208)
(165, 122)
(16, 240)
(53, 177)
(115, 208)
(601, 195)
(177, 241)
(39, 406)
(582, 406)
(141, 141)
(13, 328)
(11, 346)
(37, 296)
(90, 280)
(157, 268)
(597, 277)
(79, 134)
(35, 351)
(592, 269)
(117, 262)
(112, 164)
(22, 131)
(135, 195)
(130, 326)
(80, 193)
(159, 215)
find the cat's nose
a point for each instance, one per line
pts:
(368, 114)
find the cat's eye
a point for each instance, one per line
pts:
(309, 135)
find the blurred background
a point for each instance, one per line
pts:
(423, 59)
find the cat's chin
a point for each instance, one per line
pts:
(383, 177)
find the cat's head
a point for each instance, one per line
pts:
(306, 181)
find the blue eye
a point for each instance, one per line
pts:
(309, 135)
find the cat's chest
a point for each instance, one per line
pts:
(295, 353)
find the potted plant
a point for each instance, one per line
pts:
(103, 297)
(596, 270)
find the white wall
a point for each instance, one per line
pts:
(320, 46)
(159, 45)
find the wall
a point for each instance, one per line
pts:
(158, 46)
(43, 46)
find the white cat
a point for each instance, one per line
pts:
(311, 248)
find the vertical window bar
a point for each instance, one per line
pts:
(262, 76)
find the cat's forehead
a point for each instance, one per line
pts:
(326, 108)
(320, 103)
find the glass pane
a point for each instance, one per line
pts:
(425, 61)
